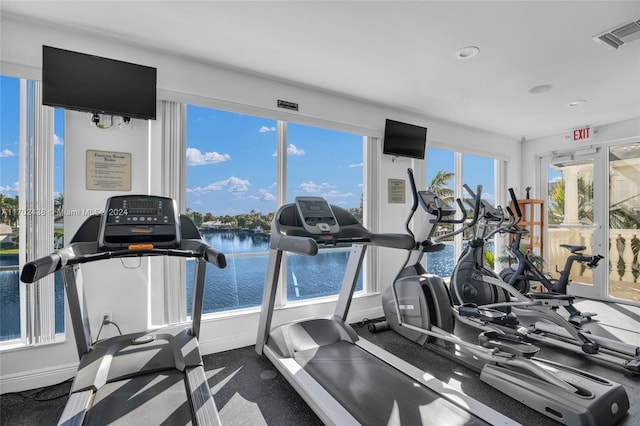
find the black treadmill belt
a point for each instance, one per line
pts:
(149, 399)
(374, 392)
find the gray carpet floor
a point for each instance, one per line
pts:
(249, 391)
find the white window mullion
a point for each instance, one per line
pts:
(281, 199)
(371, 207)
(459, 193)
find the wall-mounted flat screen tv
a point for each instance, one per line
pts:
(404, 140)
(83, 82)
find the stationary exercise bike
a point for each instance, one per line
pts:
(418, 306)
(524, 271)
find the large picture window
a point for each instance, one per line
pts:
(233, 182)
(447, 172)
(324, 163)
(31, 155)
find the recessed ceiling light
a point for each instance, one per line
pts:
(540, 89)
(577, 103)
(467, 52)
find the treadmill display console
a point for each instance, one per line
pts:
(429, 203)
(139, 219)
(317, 216)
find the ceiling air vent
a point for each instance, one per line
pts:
(621, 35)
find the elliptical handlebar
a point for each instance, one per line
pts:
(516, 205)
(463, 219)
(414, 205)
(414, 190)
(462, 209)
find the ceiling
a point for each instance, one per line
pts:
(400, 53)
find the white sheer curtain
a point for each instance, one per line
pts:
(36, 202)
(173, 116)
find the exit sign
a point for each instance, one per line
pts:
(582, 134)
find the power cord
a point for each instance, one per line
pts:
(95, 119)
(106, 321)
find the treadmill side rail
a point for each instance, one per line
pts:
(204, 407)
(76, 408)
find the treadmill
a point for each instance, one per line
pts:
(345, 379)
(144, 378)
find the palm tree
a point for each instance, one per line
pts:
(439, 186)
(585, 201)
(58, 205)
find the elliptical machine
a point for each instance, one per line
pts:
(477, 290)
(418, 306)
(525, 271)
(471, 289)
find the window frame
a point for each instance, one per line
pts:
(369, 141)
(36, 229)
(499, 173)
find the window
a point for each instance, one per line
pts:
(9, 193)
(232, 192)
(26, 220)
(447, 172)
(58, 210)
(231, 195)
(324, 163)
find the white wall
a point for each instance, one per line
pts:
(110, 287)
(181, 79)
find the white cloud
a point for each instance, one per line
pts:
(351, 166)
(10, 188)
(7, 153)
(57, 140)
(266, 195)
(487, 196)
(197, 158)
(263, 195)
(314, 188)
(294, 150)
(232, 184)
(322, 189)
(337, 194)
(265, 129)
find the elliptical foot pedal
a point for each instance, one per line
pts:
(469, 310)
(492, 316)
(587, 315)
(507, 343)
(633, 365)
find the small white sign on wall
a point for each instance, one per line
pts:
(396, 190)
(108, 171)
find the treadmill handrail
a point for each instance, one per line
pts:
(83, 252)
(309, 245)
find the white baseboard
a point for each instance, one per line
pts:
(34, 379)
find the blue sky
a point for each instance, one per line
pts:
(9, 139)
(476, 170)
(231, 163)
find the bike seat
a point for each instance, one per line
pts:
(572, 248)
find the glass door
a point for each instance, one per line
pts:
(624, 221)
(575, 189)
